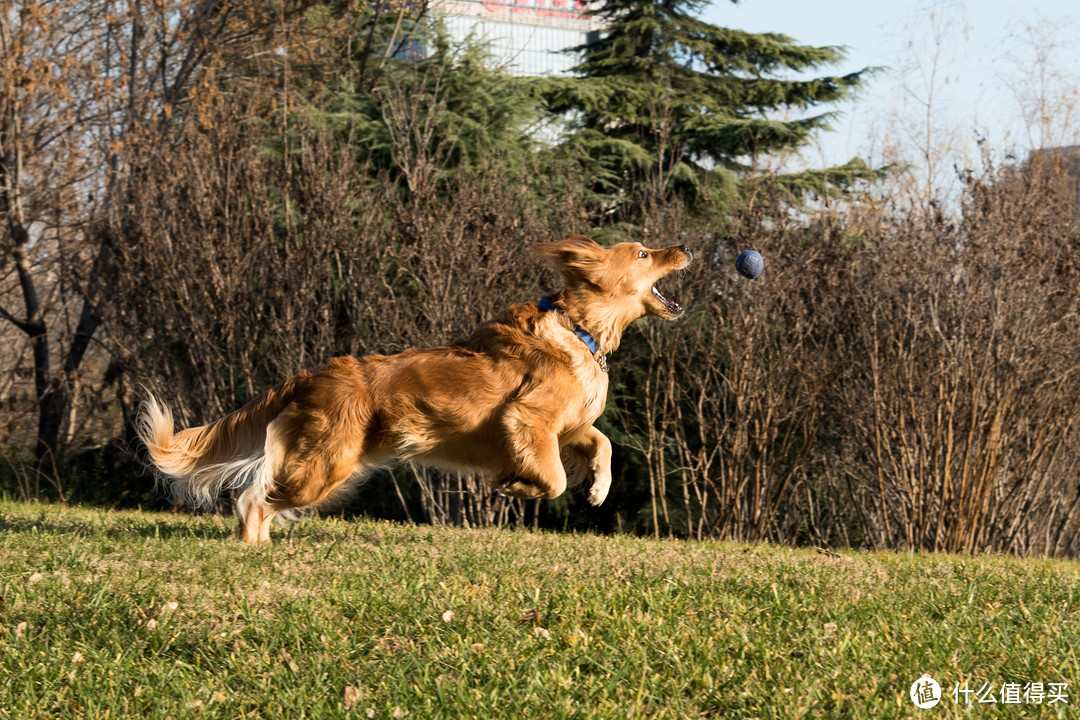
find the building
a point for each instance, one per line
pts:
(526, 37)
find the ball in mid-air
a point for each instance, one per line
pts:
(749, 263)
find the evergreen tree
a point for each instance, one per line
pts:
(445, 108)
(665, 103)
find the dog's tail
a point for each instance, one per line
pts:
(198, 464)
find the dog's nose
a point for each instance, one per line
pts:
(686, 249)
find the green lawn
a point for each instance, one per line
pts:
(109, 614)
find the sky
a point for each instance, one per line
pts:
(959, 68)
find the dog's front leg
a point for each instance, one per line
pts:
(590, 458)
(537, 472)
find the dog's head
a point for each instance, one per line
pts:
(618, 282)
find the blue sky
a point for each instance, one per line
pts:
(987, 70)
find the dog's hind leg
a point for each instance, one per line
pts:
(312, 449)
(303, 481)
(254, 507)
(268, 514)
(320, 456)
(254, 515)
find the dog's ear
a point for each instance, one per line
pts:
(574, 255)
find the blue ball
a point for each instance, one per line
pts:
(749, 263)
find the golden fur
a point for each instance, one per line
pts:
(515, 401)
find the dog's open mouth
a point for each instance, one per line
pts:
(670, 305)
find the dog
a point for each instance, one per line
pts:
(515, 401)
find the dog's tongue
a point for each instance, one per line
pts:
(669, 304)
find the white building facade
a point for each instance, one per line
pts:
(525, 37)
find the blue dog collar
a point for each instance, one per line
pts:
(546, 304)
(590, 342)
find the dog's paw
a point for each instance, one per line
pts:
(601, 485)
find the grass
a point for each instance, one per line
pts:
(109, 614)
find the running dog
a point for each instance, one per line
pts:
(516, 401)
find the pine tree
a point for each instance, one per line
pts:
(665, 103)
(446, 108)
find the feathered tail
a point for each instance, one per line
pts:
(197, 464)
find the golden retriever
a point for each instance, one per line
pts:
(515, 401)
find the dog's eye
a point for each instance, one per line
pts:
(642, 254)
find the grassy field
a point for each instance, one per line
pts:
(123, 614)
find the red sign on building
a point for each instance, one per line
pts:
(572, 9)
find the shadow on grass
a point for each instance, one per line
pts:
(202, 527)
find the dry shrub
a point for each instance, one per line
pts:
(727, 404)
(960, 400)
(914, 385)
